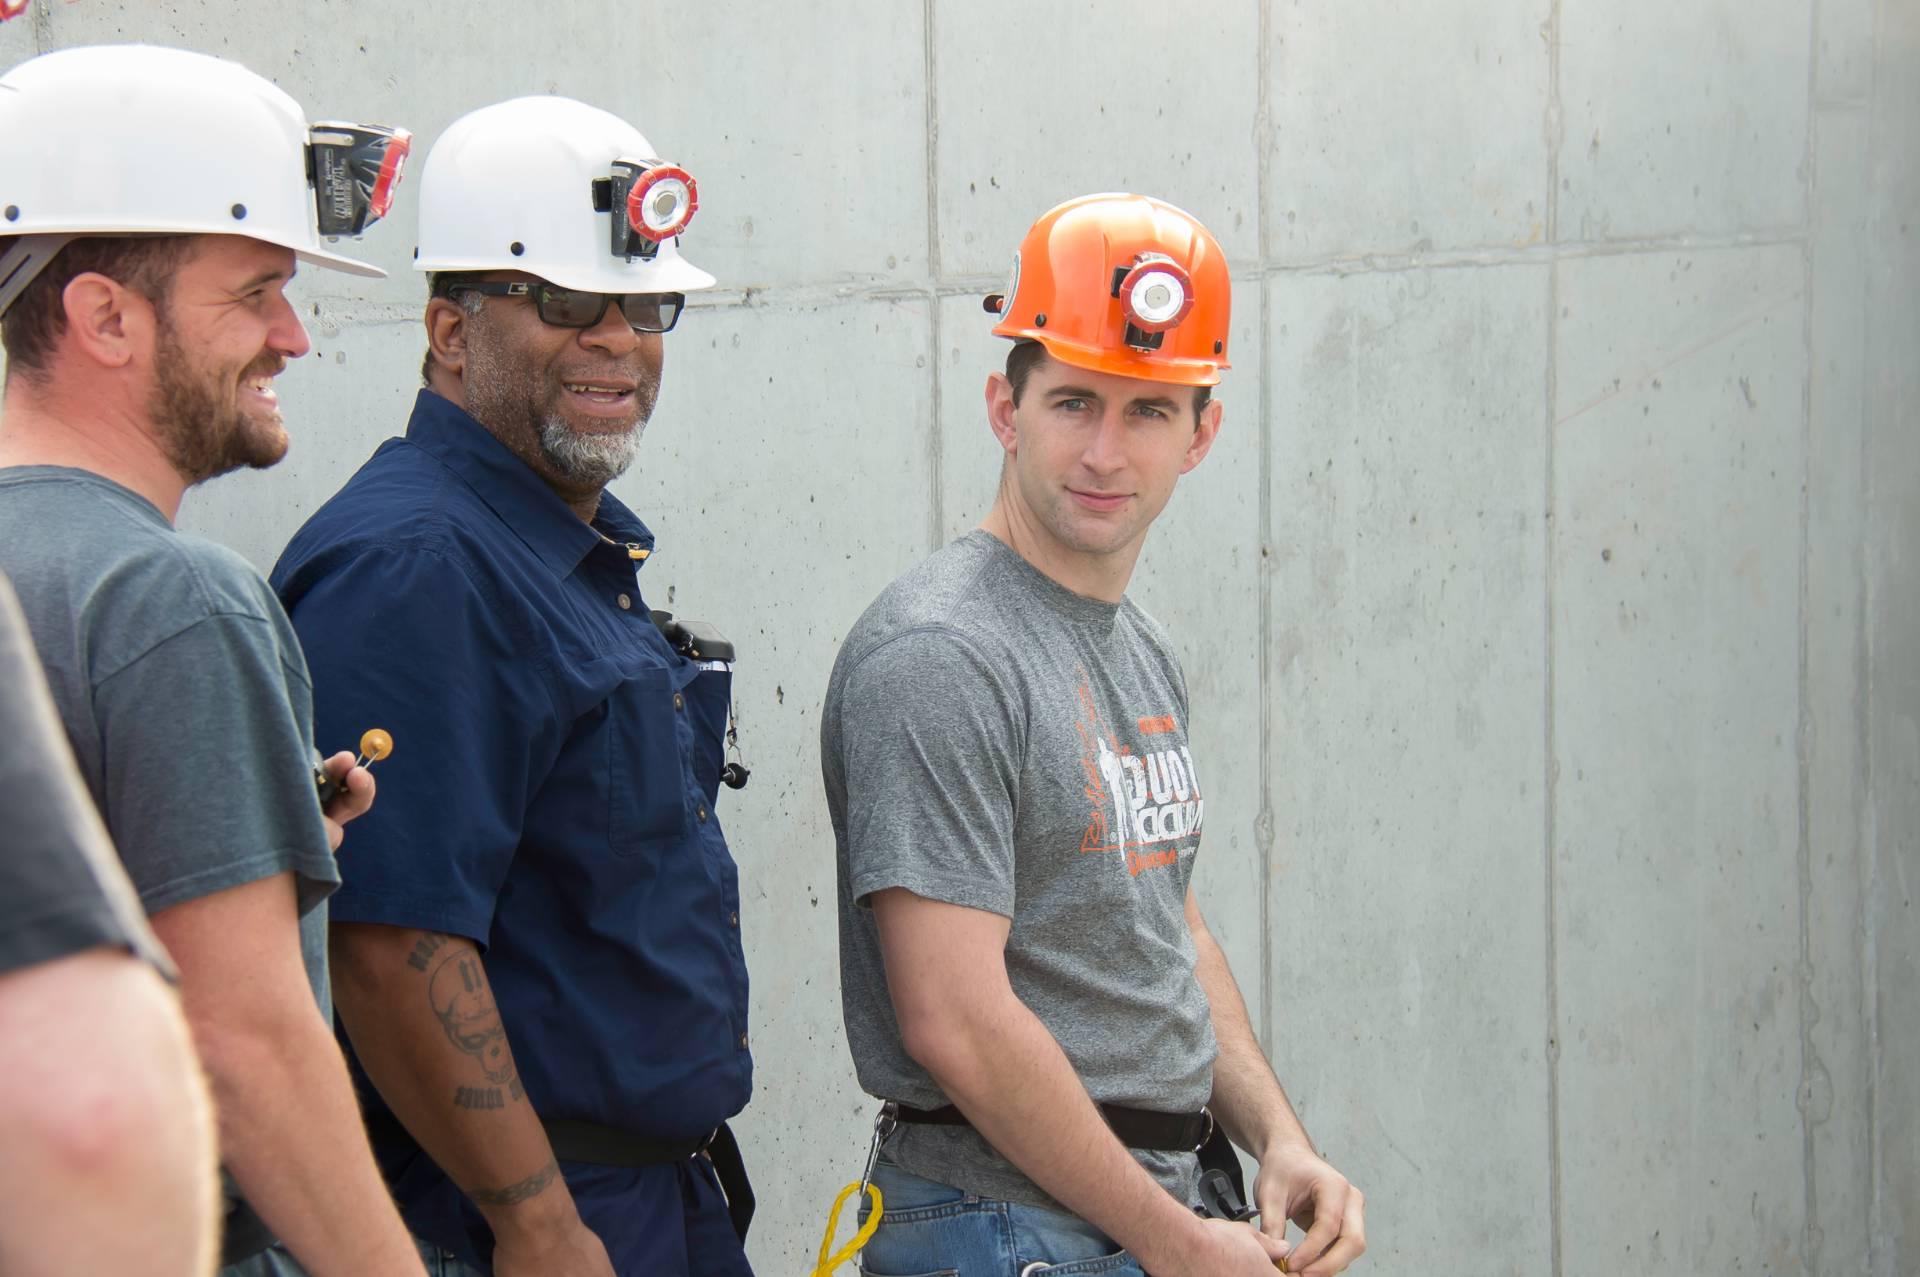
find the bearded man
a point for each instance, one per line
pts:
(143, 278)
(536, 946)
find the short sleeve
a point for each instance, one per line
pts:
(407, 640)
(62, 890)
(208, 765)
(931, 743)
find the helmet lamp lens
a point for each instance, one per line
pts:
(662, 202)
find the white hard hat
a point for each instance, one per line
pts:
(132, 139)
(561, 190)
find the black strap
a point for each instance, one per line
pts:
(589, 1142)
(597, 1145)
(1136, 1128)
(731, 1170)
(1223, 1187)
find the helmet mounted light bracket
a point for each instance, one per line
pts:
(651, 202)
(355, 170)
(1155, 294)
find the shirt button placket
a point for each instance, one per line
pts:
(624, 600)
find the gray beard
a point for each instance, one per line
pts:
(589, 461)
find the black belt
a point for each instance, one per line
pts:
(1136, 1128)
(597, 1145)
(575, 1141)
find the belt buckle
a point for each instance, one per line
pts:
(1206, 1112)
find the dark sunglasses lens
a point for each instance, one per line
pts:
(568, 308)
(652, 312)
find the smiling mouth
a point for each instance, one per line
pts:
(598, 391)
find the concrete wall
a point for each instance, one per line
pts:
(1548, 603)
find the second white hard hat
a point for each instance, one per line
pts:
(561, 190)
(131, 139)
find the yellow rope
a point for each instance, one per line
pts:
(829, 1262)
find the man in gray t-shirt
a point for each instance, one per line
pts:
(1025, 974)
(140, 363)
(85, 1012)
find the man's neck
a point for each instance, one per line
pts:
(49, 426)
(1095, 576)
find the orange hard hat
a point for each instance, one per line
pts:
(1122, 284)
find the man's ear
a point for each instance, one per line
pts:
(1204, 434)
(107, 322)
(447, 334)
(1000, 411)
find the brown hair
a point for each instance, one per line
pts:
(33, 324)
(1026, 356)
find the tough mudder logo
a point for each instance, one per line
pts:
(1145, 802)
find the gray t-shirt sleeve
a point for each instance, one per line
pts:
(931, 740)
(208, 773)
(62, 890)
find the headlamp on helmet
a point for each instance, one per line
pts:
(12, 9)
(1155, 294)
(355, 170)
(651, 201)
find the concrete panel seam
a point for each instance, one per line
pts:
(936, 439)
(1265, 820)
(1555, 1201)
(43, 40)
(1810, 1235)
(1537, 254)
(1870, 868)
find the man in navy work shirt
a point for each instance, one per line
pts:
(536, 943)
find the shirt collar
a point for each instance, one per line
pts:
(520, 498)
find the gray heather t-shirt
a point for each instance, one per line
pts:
(62, 891)
(184, 696)
(993, 740)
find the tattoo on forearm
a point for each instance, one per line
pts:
(532, 1186)
(487, 1097)
(463, 1002)
(423, 949)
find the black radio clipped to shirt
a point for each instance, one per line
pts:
(695, 640)
(698, 641)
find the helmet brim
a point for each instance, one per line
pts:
(334, 261)
(675, 276)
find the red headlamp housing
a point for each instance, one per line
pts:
(661, 202)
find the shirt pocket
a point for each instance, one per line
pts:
(646, 777)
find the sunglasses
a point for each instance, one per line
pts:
(574, 308)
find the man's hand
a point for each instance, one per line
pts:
(574, 1251)
(1296, 1184)
(1230, 1250)
(355, 797)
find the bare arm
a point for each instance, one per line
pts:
(109, 1162)
(289, 1128)
(1252, 1106)
(960, 1019)
(420, 1011)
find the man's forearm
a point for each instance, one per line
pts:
(289, 1128)
(1248, 1100)
(291, 1134)
(998, 1063)
(419, 1009)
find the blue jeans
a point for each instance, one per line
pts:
(931, 1230)
(444, 1263)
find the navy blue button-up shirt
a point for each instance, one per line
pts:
(551, 789)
